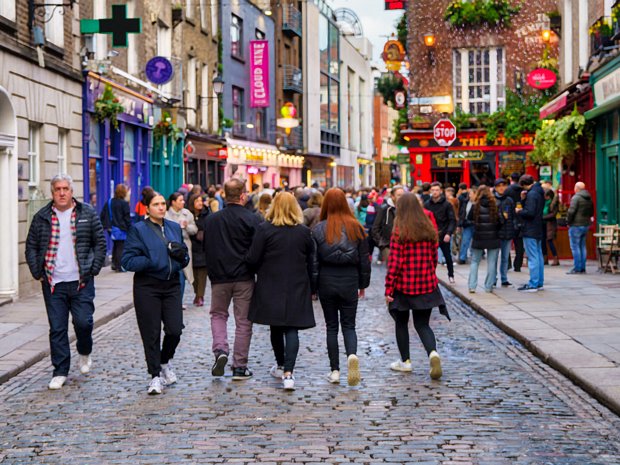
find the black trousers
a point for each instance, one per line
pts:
(519, 253)
(158, 302)
(285, 344)
(447, 253)
(338, 296)
(421, 319)
(117, 253)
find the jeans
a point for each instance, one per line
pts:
(285, 344)
(577, 236)
(421, 319)
(535, 261)
(68, 298)
(476, 257)
(504, 249)
(445, 248)
(467, 235)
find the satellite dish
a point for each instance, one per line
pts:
(348, 22)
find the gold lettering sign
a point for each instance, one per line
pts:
(499, 141)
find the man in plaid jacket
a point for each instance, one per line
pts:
(65, 250)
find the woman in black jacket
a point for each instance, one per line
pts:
(116, 219)
(156, 253)
(344, 269)
(282, 253)
(487, 222)
(199, 257)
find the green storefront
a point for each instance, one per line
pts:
(167, 165)
(605, 83)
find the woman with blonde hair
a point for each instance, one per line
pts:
(283, 256)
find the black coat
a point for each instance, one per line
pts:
(514, 192)
(508, 229)
(444, 215)
(381, 231)
(199, 253)
(486, 228)
(531, 217)
(229, 234)
(90, 242)
(283, 258)
(343, 254)
(121, 218)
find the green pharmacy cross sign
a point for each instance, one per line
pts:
(119, 25)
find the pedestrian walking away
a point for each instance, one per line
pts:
(230, 232)
(200, 212)
(116, 219)
(156, 253)
(514, 192)
(344, 274)
(508, 229)
(411, 283)
(579, 219)
(312, 214)
(487, 222)
(466, 202)
(384, 223)
(446, 222)
(283, 256)
(65, 250)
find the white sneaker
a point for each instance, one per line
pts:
(379, 262)
(334, 377)
(85, 363)
(156, 386)
(353, 372)
(435, 362)
(401, 366)
(168, 374)
(288, 382)
(277, 372)
(57, 382)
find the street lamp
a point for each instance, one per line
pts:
(430, 41)
(218, 85)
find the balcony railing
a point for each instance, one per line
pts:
(601, 35)
(292, 78)
(294, 140)
(291, 20)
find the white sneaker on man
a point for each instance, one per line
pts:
(401, 366)
(435, 363)
(277, 371)
(57, 382)
(156, 386)
(288, 382)
(85, 363)
(334, 377)
(353, 370)
(168, 374)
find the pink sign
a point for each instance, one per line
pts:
(259, 73)
(542, 78)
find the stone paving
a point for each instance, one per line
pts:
(496, 404)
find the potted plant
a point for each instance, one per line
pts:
(420, 122)
(476, 13)
(166, 128)
(177, 13)
(601, 33)
(108, 107)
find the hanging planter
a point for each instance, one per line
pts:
(166, 128)
(477, 13)
(559, 140)
(108, 107)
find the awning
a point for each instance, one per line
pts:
(244, 152)
(554, 105)
(608, 106)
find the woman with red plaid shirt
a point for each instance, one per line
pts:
(411, 284)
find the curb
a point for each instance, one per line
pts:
(592, 389)
(24, 365)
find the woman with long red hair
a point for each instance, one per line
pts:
(344, 273)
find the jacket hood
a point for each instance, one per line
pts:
(585, 194)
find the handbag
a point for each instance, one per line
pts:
(116, 233)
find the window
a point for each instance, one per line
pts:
(132, 48)
(34, 148)
(236, 37)
(7, 9)
(63, 135)
(215, 23)
(479, 80)
(190, 96)
(238, 110)
(204, 17)
(260, 124)
(204, 100)
(164, 49)
(260, 35)
(330, 79)
(55, 27)
(189, 9)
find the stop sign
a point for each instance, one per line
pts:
(444, 132)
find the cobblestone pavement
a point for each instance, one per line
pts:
(496, 404)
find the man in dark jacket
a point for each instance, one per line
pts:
(532, 230)
(466, 201)
(65, 250)
(507, 232)
(514, 192)
(446, 223)
(579, 218)
(381, 231)
(229, 234)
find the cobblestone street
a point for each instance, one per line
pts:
(496, 404)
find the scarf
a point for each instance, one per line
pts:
(52, 247)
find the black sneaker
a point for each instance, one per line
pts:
(241, 374)
(219, 367)
(507, 284)
(526, 288)
(573, 271)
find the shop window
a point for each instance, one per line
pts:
(260, 124)
(238, 110)
(54, 27)
(34, 158)
(236, 36)
(63, 136)
(94, 161)
(7, 10)
(129, 161)
(132, 41)
(479, 80)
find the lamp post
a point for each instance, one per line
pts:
(447, 157)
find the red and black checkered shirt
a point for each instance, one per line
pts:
(411, 267)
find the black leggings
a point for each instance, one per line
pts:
(447, 253)
(420, 322)
(285, 344)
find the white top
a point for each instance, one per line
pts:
(66, 269)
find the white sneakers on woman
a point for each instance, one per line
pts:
(288, 383)
(334, 377)
(85, 363)
(57, 382)
(401, 366)
(156, 386)
(435, 363)
(353, 370)
(277, 371)
(168, 374)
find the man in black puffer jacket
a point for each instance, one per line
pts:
(65, 250)
(508, 231)
(531, 217)
(446, 223)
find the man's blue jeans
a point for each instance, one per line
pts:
(67, 299)
(535, 261)
(476, 257)
(466, 237)
(504, 250)
(577, 236)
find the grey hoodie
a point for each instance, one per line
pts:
(581, 209)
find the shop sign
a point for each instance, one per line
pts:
(259, 73)
(499, 141)
(545, 171)
(512, 162)
(607, 88)
(542, 78)
(400, 99)
(393, 55)
(454, 159)
(159, 70)
(402, 158)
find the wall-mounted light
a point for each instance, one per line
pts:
(218, 85)
(546, 35)
(268, 12)
(429, 41)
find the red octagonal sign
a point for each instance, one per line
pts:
(444, 132)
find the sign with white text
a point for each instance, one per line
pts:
(259, 73)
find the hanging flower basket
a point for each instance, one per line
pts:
(559, 140)
(108, 107)
(477, 13)
(166, 128)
